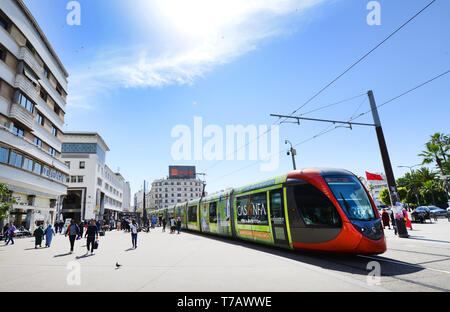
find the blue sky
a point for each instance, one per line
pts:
(139, 68)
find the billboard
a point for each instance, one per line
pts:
(181, 172)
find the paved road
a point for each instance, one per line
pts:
(191, 262)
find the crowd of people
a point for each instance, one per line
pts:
(393, 216)
(91, 230)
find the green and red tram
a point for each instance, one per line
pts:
(313, 209)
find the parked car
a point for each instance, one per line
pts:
(420, 214)
(437, 212)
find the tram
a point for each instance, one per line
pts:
(316, 209)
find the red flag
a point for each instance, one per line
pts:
(373, 177)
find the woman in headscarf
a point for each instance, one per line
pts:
(49, 233)
(385, 218)
(38, 235)
(408, 222)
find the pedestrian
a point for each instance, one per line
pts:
(73, 231)
(56, 226)
(61, 226)
(163, 224)
(179, 225)
(408, 221)
(11, 234)
(394, 225)
(49, 233)
(172, 225)
(133, 229)
(385, 218)
(81, 229)
(91, 235)
(5, 231)
(38, 236)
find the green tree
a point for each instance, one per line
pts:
(6, 200)
(385, 197)
(402, 193)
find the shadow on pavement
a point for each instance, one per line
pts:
(129, 249)
(62, 255)
(353, 264)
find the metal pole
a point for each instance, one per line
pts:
(293, 152)
(402, 232)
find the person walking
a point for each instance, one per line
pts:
(38, 236)
(49, 233)
(385, 218)
(11, 234)
(81, 228)
(91, 235)
(394, 225)
(56, 226)
(178, 225)
(163, 224)
(73, 231)
(408, 221)
(134, 233)
(172, 225)
(5, 231)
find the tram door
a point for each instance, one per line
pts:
(278, 218)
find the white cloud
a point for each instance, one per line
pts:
(199, 35)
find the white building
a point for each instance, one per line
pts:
(166, 192)
(375, 187)
(33, 91)
(95, 191)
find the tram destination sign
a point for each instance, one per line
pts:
(182, 172)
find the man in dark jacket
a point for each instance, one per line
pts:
(92, 235)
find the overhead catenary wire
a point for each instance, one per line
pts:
(332, 82)
(332, 127)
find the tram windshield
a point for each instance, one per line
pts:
(352, 197)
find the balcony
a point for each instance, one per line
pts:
(22, 115)
(27, 146)
(28, 57)
(25, 85)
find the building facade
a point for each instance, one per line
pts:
(166, 192)
(95, 191)
(33, 92)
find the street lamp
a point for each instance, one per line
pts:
(411, 169)
(292, 152)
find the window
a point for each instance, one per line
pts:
(56, 109)
(54, 130)
(15, 160)
(313, 206)
(73, 179)
(192, 214)
(40, 119)
(53, 174)
(37, 168)
(67, 164)
(352, 198)
(4, 23)
(43, 95)
(2, 54)
(18, 131)
(82, 164)
(252, 209)
(80, 179)
(27, 164)
(213, 212)
(46, 71)
(59, 89)
(38, 142)
(52, 151)
(25, 102)
(4, 153)
(46, 171)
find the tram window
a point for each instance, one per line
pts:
(213, 212)
(252, 209)
(315, 208)
(276, 206)
(192, 214)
